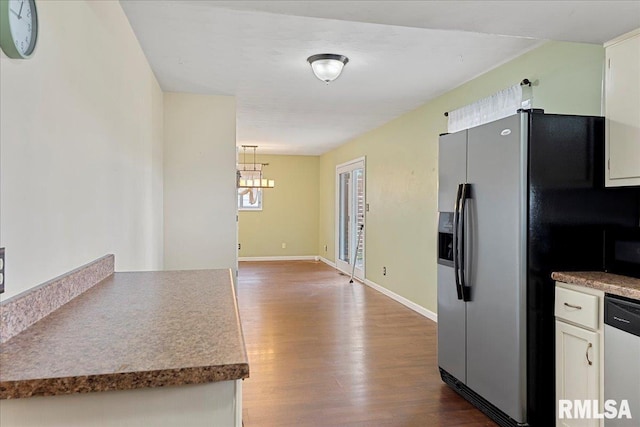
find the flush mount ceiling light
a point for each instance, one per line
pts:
(327, 66)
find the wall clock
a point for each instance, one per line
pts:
(18, 28)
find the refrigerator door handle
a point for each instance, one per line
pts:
(465, 194)
(456, 259)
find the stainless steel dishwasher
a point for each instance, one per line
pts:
(622, 357)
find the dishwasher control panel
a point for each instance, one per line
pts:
(622, 313)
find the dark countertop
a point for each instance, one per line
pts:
(132, 330)
(610, 283)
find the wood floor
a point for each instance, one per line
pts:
(323, 352)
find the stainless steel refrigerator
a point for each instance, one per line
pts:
(518, 198)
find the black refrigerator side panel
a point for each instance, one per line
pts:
(568, 211)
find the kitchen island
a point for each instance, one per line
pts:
(140, 348)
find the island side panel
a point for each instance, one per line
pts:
(211, 404)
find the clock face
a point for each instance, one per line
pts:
(24, 25)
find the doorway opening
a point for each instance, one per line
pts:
(350, 217)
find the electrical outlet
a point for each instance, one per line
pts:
(284, 245)
(384, 271)
(239, 246)
(1, 270)
(367, 205)
(325, 248)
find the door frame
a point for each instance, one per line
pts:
(359, 273)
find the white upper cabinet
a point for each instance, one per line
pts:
(622, 110)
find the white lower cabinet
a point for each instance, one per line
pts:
(579, 373)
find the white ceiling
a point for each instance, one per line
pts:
(402, 54)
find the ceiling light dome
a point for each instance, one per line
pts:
(327, 66)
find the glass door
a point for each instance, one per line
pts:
(350, 217)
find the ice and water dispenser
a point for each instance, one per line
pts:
(445, 238)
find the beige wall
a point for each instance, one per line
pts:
(81, 148)
(402, 167)
(290, 210)
(200, 208)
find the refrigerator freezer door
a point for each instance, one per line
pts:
(452, 157)
(452, 350)
(452, 168)
(496, 316)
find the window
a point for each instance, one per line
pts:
(249, 199)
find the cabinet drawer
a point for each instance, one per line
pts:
(576, 307)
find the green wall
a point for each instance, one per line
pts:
(402, 166)
(290, 210)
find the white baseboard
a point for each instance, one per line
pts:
(402, 300)
(280, 258)
(329, 263)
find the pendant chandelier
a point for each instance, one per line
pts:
(257, 180)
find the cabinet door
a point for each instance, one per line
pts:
(577, 369)
(622, 111)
